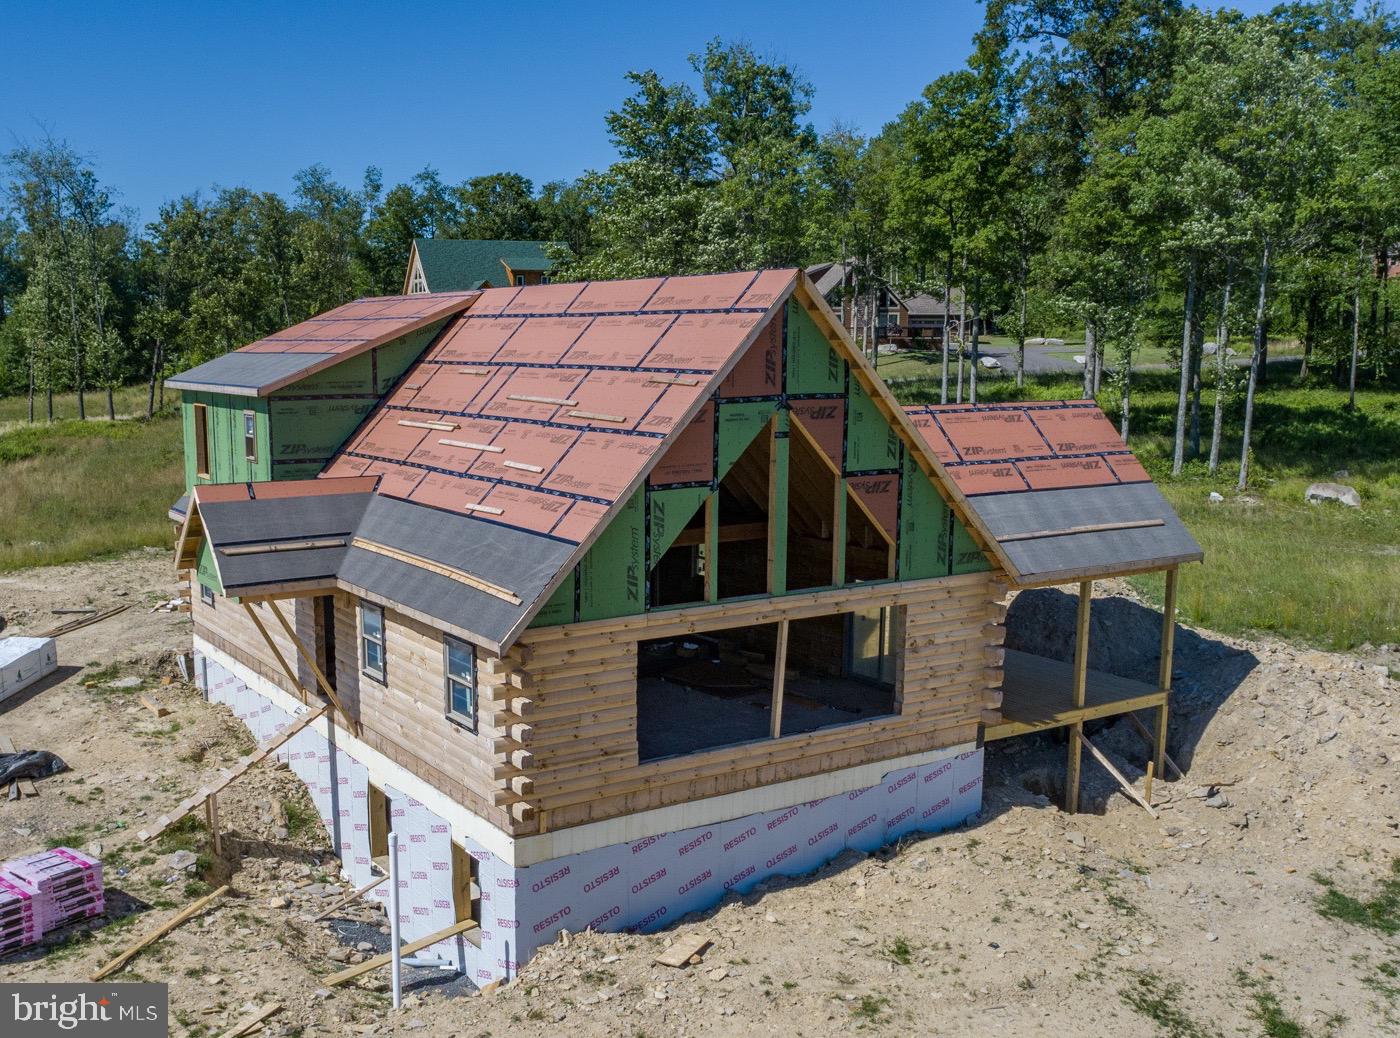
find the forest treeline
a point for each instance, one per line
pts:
(1140, 171)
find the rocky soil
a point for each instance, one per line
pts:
(1263, 899)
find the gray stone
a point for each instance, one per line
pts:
(131, 682)
(1219, 800)
(180, 861)
(1338, 492)
(1216, 498)
(340, 954)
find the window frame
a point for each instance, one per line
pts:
(465, 720)
(382, 674)
(201, 440)
(250, 436)
(520, 281)
(206, 594)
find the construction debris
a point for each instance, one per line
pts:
(154, 705)
(687, 951)
(252, 1020)
(82, 621)
(188, 912)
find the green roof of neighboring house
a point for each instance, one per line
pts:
(455, 265)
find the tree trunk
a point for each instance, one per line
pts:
(1309, 334)
(1127, 391)
(31, 383)
(976, 335)
(1098, 363)
(1090, 348)
(1184, 388)
(1021, 332)
(947, 324)
(1222, 340)
(1355, 330)
(1198, 348)
(151, 390)
(1256, 355)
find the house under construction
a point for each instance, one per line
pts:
(613, 597)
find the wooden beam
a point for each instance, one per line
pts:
(379, 961)
(1068, 531)
(725, 534)
(1118, 775)
(189, 911)
(252, 1020)
(1164, 667)
(310, 661)
(779, 680)
(276, 652)
(1081, 676)
(361, 892)
(451, 572)
(1152, 742)
(777, 505)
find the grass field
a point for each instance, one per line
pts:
(129, 400)
(1324, 574)
(77, 490)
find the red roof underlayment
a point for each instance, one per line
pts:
(538, 407)
(1019, 447)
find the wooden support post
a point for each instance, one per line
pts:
(1081, 672)
(310, 661)
(838, 533)
(211, 818)
(1164, 668)
(712, 548)
(1147, 784)
(779, 677)
(777, 503)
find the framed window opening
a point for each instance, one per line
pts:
(466, 891)
(201, 440)
(250, 436)
(725, 687)
(380, 822)
(206, 595)
(459, 675)
(372, 655)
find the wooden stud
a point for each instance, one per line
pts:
(188, 912)
(712, 548)
(1152, 742)
(252, 1020)
(779, 680)
(211, 819)
(1147, 784)
(1068, 531)
(1081, 673)
(451, 572)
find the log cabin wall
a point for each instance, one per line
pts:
(578, 713)
(405, 719)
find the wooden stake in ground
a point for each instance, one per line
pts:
(188, 912)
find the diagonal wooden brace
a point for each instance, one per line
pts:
(310, 661)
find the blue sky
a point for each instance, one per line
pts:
(169, 98)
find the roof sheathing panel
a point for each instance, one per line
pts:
(556, 409)
(1043, 467)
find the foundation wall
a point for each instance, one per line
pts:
(645, 884)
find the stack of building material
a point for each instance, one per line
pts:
(21, 922)
(66, 885)
(24, 661)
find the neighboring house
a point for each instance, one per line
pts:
(615, 597)
(925, 314)
(458, 265)
(837, 282)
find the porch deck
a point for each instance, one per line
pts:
(1037, 695)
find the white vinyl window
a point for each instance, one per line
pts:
(250, 436)
(459, 665)
(206, 595)
(372, 640)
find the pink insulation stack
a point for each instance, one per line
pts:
(20, 921)
(63, 885)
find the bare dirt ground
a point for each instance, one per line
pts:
(1213, 919)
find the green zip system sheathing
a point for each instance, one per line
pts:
(300, 426)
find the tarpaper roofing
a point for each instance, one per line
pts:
(456, 265)
(279, 533)
(1057, 470)
(303, 349)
